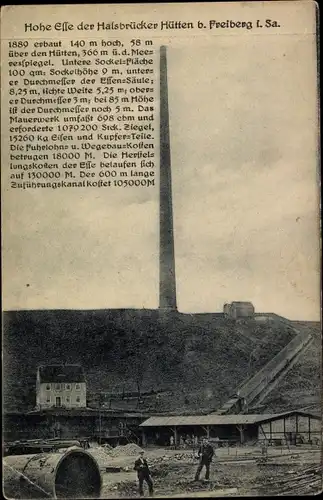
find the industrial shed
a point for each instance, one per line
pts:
(75, 423)
(238, 309)
(292, 427)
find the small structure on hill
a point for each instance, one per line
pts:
(60, 386)
(237, 310)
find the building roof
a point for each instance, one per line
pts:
(242, 302)
(61, 373)
(201, 420)
(216, 419)
(81, 412)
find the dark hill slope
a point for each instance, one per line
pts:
(302, 385)
(199, 359)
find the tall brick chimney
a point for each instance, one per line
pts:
(167, 279)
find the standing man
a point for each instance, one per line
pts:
(143, 473)
(205, 454)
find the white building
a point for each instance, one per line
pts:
(60, 386)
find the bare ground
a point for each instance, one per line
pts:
(240, 473)
(236, 472)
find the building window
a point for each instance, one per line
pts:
(48, 399)
(68, 387)
(78, 399)
(77, 387)
(47, 387)
(67, 399)
(57, 387)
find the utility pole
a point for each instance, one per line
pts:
(100, 421)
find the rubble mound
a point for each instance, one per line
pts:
(130, 449)
(107, 447)
(101, 455)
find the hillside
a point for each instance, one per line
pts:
(301, 387)
(197, 360)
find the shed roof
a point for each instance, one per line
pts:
(242, 303)
(202, 420)
(215, 419)
(82, 412)
(61, 373)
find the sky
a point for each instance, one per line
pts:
(245, 175)
(245, 194)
